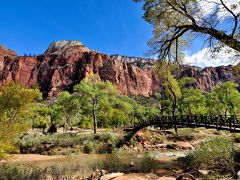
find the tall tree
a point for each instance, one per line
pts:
(171, 89)
(192, 101)
(16, 111)
(228, 98)
(94, 95)
(178, 21)
(70, 108)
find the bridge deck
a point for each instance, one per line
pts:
(230, 123)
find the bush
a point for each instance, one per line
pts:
(100, 143)
(104, 143)
(216, 155)
(88, 146)
(125, 162)
(21, 172)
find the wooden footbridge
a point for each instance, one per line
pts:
(230, 123)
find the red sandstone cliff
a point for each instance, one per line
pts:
(209, 77)
(66, 63)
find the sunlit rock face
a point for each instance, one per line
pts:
(60, 47)
(209, 77)
(4, 53)
(65, 63)
(137, 61)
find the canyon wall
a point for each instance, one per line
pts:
(66, 63)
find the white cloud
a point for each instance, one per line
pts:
(207, 7)
(204, 58)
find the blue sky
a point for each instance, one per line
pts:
(110, 26)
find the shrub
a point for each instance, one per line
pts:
(100, 143)
(125, 162)
(171, 146)
(216, 154)
(21, 172)
(88, 146)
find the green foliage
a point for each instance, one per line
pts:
(101, 101)
(228, 98)
(88, 143)
(216, 154)
(177, 23)
(193, 102)
(70, 108)
(16, 111)
(182, 98)
(171, 91)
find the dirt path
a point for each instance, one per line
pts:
(32, 158)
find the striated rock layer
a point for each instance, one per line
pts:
(66, 63)
(210, 77)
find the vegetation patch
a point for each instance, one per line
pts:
(55, 143)
(216, 155)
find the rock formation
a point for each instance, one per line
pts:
(210, 77)
(137, 61)
(66, 63)
(4, 52)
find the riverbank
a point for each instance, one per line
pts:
(78, 155)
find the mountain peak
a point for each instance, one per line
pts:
(59, 46)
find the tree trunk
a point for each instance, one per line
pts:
(95, 121)
(226, 39)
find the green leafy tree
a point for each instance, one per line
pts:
(16, 112)
(212, 104)
(179, 21)
(95, 96)
(42, 117)
(171, 91)
(70, 108)
(192, 101)
(228, 98)
(116, 112)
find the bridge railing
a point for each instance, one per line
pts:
(230, 122)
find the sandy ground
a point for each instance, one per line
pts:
(32, 158)
(140, 176)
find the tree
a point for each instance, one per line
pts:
(116, 112)
(212, 104)
(16, 112)
(47, 115)
(228, 98)
(42, 117)
(171, 89)
(94, 95)
(69, 108)
(192, 101)
(178, 21)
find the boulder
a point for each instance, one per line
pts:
(111, 176)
